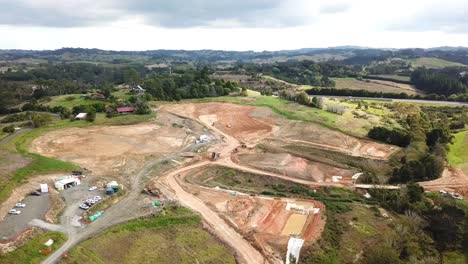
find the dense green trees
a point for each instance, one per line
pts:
(304, 72)
(438, 82)
(394, 137)
(191, 84)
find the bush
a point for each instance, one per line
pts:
(394, 137)
(39, 119)
(8, 129)
(381, 254)
(91, 116)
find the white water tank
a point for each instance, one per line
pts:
(44, 188)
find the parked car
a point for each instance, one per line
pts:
(35, 193)
(91, 201)
(97, 198)
(93, 188)
(20, 205)
(84, 207)
(14, 212)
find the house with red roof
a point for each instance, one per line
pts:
(125, 110)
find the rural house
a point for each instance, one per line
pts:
(137, 90)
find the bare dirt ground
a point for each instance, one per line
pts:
(254, 124)
(245, 123)
(108, 150)
(297, 167)
(452, 180)
(265, 221)
(318, 136)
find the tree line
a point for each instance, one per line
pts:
(439, 82)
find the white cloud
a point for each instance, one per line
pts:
(233, 25)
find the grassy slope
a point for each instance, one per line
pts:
(458, 154)
(433, 63)
(30, 252)
(44, 165)
(374, 86)
(394, 77)
(175, 237)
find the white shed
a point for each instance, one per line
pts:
(80, 116)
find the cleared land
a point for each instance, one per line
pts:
(176, 237)
(253, 124)
(293, 166)
(375, 86)
(433, 63)
(130, 152)
(113, 150)
(268, 222)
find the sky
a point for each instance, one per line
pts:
(231, 25)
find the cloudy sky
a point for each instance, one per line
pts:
(231, 24)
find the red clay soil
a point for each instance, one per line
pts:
(274, 222)
(315, 229)
(292, 166)
(243, 122)
(452, 180)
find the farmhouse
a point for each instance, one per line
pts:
(125, 110)
(81, 116)
(66, 183)
(137, 90)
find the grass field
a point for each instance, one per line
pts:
(394, 77)
(30, 252)
(44, 165)
(173, 237)
(458, 154)
(70, 100)
(433, 63)
(374, 86)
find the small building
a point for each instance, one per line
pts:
(137, 90)
(125, 110)
(44, 188)
(97, 96)
(67, 183)
(81, 116)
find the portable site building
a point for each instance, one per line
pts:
(44, 188)
(67, 183)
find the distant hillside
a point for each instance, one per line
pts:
(433, 63)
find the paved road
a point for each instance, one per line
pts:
(7, 139)
(395, 100)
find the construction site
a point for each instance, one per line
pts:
(172, 158)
